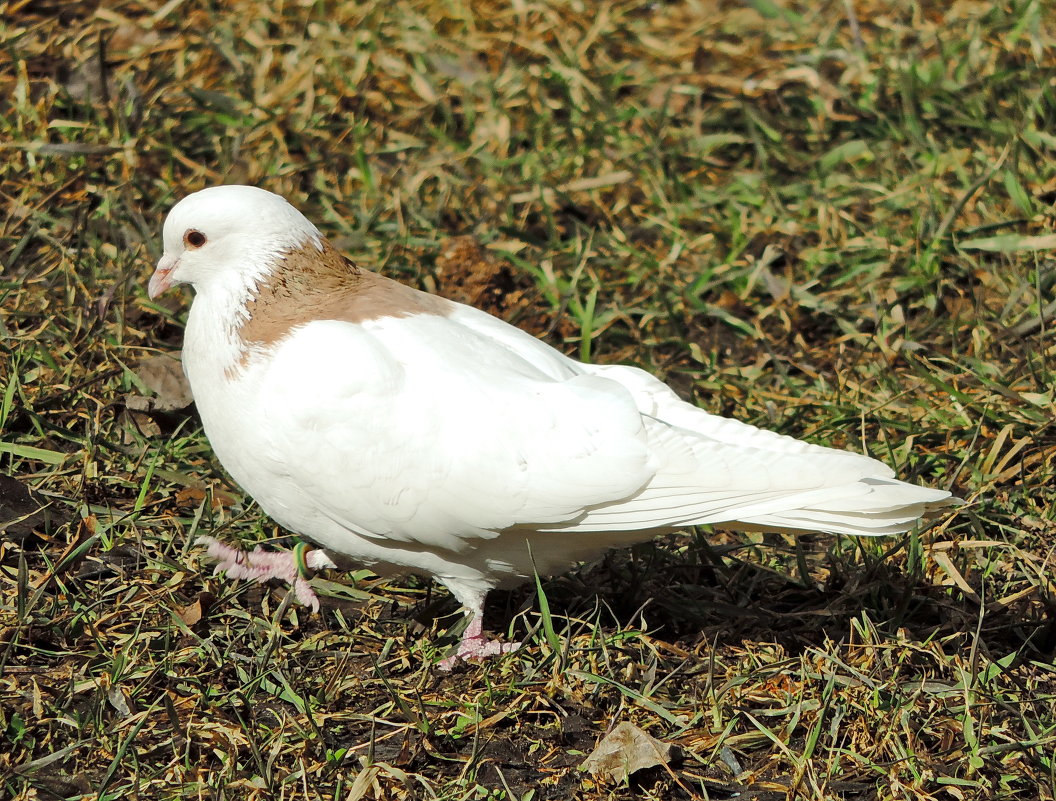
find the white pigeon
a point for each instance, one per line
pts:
(409, 433)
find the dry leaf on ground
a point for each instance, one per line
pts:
(626, 750)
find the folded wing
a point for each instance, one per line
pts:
(442, 430)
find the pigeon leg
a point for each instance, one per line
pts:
(259, 565)
(475, 645)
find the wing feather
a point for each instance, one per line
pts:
(441, 431)
(405, 437)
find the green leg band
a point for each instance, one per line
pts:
(300, 558)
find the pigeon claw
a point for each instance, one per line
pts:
(260, 566)
(475, 645)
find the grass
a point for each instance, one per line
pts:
(831, 219)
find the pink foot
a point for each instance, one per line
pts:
(260, 565)
(475, 645)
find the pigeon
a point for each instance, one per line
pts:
(404, 432)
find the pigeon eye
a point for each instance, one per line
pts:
(194, 239)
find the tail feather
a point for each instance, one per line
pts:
(723, 485)
(891, 508)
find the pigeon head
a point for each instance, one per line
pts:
(225, 238)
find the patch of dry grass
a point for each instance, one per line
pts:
(832, 219)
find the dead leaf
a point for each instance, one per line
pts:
(625, 751)
(130, 40)
(90, 81)
(194, 613)
(119, 701)
(190, 497)
(467, 272)
(22, 511)
(162, 375)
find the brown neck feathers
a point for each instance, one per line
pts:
(309, 284)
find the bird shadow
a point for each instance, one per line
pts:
(688, 592)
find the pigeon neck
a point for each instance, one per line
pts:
(212, 347)
(315, 282)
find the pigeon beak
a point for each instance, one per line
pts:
(162, 278)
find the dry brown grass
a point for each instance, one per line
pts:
(834, 224)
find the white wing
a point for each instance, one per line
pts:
(439, 430)
(419, 430)
(735, 471)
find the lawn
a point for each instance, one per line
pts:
(832, 219)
